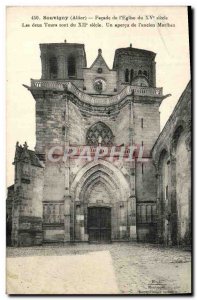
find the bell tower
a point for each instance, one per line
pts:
(63, 61)
(134, 67)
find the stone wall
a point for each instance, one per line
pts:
(50, 110)
(183, 189)
(147, 124)
(9, 205)
(77, 126)
(174, 194)
(27, 204)
(122, 126)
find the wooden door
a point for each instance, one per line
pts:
(99, 224)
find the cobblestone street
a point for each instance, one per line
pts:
(133, 268)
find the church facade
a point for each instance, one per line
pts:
(101, 170)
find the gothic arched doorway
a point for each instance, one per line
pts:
(101, 203)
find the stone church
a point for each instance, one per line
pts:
(107, 198)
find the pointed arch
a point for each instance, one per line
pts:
(93, 180)
(179, 129)
(107, 171)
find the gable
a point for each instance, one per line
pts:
(99, 63)
(99, 72)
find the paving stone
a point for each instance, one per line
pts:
(139, 269)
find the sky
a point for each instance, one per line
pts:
(23, 55)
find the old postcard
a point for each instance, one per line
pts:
(98, 151)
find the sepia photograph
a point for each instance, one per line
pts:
(99, 117)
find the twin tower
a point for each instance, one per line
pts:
(68, 62)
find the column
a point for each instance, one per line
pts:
(132, 199)
(132, 218)
(153, 79)
(168, 206)
(67, 199)
(174, 224)
(159, 209)
(67, 204)
(188, 147)
(44, 66)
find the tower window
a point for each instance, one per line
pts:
(166, 192)
(126, 75)
(142, 168)
(131, 75)
(64, 115)
(100, 70)
(142, 123)
(63, 130)
(71, 67)
(140, 72)
(53, 68)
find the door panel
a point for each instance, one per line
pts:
(99, 224)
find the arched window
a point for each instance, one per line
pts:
(71, 66)
(126, 75)
(140, 72)
(53, 67)
(176, 136)
(131, 75)
(99, 133)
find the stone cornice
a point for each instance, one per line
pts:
(96, 101)
(96, 104)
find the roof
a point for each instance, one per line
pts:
(134, 52)
(30, 154)
(11, 187)
(187, 89)
(100, 60)
(34, 158)
(61, 44)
